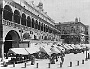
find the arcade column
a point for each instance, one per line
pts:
(2, 50)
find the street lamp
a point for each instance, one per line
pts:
(86, 53)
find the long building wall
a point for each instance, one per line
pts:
(20, 24)
(27, 19)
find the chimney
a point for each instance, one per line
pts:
(76, 20)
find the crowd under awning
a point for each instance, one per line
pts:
(34, 48)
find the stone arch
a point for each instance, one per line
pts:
(45, 38)
(44, 28)
(39, 26)
(36, 24)
(26, 36)
(23, 19)
(11, 40)
(28, 21)
(17, 16)
(7, 13)
(32, 22)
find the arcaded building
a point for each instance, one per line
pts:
(74, 32)
(22, 21)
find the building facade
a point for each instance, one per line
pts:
(73, 32)
(24, 21)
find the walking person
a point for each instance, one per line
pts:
(62, 59)
(52, 59)
(56, 57)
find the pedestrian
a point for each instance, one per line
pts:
(29, 56)
(56, 58)
(5, 64)
(6, 55)
(62, 59)
(52, 59)
(83, 51)
(32, 60)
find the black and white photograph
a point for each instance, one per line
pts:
(44, 34)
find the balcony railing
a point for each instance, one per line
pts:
(14, 25)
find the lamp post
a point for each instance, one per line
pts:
(86, 53)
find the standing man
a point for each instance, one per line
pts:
(32, 60)
(62, 57)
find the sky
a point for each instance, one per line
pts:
(67, 10)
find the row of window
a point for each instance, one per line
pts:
(30, 22)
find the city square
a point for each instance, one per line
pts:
(30, 38)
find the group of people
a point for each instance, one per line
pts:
(56, 57)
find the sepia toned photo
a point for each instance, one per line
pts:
(44, 34)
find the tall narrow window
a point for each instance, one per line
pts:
(28, 21)
(16, 16)
(7, 13)
(32, 23)
(23, 19)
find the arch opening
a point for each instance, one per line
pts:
(11, 41)
(45, 38)
(23, 19)
(36, 24)
(32, 23)
(39, 26)
(7, 13)
(17, 16)
(28, 21)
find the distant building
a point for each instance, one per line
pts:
(73, 32)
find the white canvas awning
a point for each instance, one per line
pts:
(18, 51)
(49, 50)
(45, 49)
(54, 50)
(32, 50)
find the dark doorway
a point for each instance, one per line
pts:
(11, 41)
(8, 43)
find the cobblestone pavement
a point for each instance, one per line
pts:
(43, 63)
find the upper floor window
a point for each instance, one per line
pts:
(7, 13)
(23, 19)
(32, 23)
(17, 16)
(28, 21)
